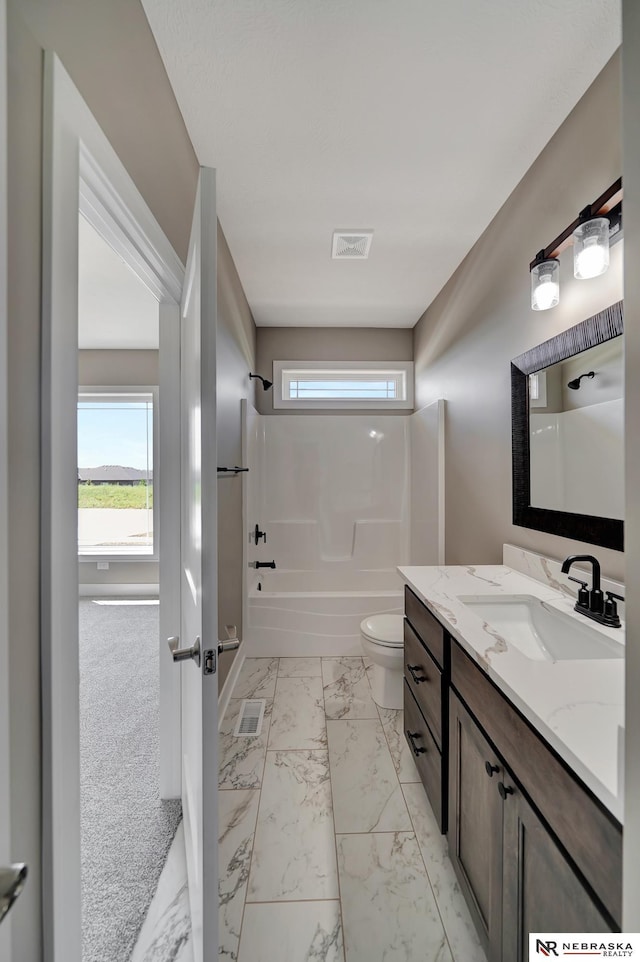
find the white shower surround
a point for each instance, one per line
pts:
(577, 459)
(335, 495)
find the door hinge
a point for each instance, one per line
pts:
(210, 661)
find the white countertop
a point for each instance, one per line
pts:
(576, 705)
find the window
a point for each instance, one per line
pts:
(116, 503)
(341, 385)
(538, 389)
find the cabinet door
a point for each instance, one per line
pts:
(475, 823)
(542, 892)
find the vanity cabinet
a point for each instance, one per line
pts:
(589, 835)
(426, 674)
(532, 848)
(515, 876)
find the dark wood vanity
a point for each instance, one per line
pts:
(533, 849)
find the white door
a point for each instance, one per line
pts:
(199, 602)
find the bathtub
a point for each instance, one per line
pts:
(298, 613)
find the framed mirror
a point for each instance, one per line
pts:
(567, 424)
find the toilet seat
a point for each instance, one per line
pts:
(384, 630)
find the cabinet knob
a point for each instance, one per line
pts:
(412, 669)
(490, 769)
(417, 750)
(504, 790)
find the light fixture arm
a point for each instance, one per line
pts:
(604, 205)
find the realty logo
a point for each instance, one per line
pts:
(546, 948)
(579, 945)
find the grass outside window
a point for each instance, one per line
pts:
(115, 495)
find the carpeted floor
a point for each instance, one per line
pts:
(126, 829)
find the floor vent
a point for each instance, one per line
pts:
(251, 715)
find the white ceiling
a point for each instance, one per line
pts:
(416, 118)
(115, 309)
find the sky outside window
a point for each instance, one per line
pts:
(115, 433)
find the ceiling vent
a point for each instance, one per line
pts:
(352, 244)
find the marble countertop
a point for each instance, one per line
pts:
(577, 706)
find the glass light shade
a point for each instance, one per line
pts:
(545, 284)
(591, 248)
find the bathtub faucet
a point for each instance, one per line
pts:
(264, 564)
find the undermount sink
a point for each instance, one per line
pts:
(539, 631)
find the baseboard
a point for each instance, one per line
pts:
(119, 591)
(230, 680)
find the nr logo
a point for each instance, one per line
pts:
(546, 948)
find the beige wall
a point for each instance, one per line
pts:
(236, 345)
(109, 51)
(118, 368)
(115, 369)
(482, 318)
(631, 174)
(326, 344)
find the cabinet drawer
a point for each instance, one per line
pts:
(424, 678)
(590, 835)
(428, 629)
(425, 754)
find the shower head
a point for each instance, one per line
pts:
(575, 384)
(265, 384)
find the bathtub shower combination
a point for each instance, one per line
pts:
(337, 498)
(318, 612)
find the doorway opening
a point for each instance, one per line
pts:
(126, 826)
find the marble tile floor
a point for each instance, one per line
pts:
(329, 850)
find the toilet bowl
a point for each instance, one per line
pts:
(382, 641)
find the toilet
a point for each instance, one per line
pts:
(382, 641)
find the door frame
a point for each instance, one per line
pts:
(5, 758)
(82, 172)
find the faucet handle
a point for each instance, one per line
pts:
(583, 593)
(612, 594)
(611, 609)
(578, 581)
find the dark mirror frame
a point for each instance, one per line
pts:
(608, 532)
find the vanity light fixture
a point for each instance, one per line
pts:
(265, 384)
(594, 230)
(590, 246)
(545, 282)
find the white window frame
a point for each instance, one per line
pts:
(538, 389)
(284, 371)
(103, 392)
